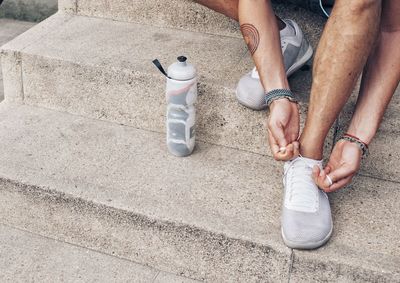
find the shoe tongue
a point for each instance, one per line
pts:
(288, 30)
(303, 195)
(312, 162)
(254, 74)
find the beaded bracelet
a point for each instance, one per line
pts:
(362, 145)
(279, 94)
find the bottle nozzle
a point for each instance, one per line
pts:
(182, 59)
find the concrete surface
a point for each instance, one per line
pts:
(135, 200)
(28, 10)
(115, 189)
(366, 232)
(184, 14)
(102, 69)
(9, 29)
(27, 257)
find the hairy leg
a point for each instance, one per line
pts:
(229, 8)
(381, 75)
(380, 79)
(345, 45)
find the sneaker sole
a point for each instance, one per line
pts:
(294, 68)
(306, 246)
(248, 104)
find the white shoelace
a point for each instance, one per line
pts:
(302, 192)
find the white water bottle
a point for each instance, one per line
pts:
(181, 94)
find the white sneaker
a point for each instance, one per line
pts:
(306, 214)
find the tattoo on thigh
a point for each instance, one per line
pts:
(251, 36)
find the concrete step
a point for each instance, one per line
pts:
(184, 14)
(9, 29)
(102, 69)
(28, 10)
(27, 257)
(213, 216)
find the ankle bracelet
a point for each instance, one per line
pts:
(362, 145)
(276, 94)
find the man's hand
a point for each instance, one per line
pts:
(283, 129)
(343, 164)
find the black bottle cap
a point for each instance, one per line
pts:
(182, 59)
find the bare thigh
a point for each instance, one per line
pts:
(390, 15)
(227, 7)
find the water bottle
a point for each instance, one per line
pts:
(181, 94)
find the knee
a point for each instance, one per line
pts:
(359, 7)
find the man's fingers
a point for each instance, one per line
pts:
(340, 184)
(322, 181)
(315, 173)
(340, 173)
(273, 143)
(278, 154)
(285, 155)
(327, 169)
(278, 134)
(296, 151)
(281, 149)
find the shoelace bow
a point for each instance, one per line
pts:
(302, 186)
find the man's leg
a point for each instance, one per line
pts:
(381, 75)
(344, 47)
(260, 29)
(342, 53)
(380, 80)
(261, 33)
(229, 8)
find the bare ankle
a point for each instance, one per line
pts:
(312, 154)
(311, 149)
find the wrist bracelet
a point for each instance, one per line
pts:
(279, 94)
(362, 145)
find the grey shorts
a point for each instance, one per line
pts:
(315, 6)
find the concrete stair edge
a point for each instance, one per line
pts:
(95, 216)
(303, 267)
(81, 78)
(45, 58)
(194, 18)
(44, 259)
(169, 246)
